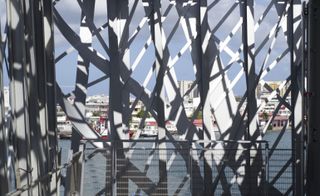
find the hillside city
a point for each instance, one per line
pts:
(97, 107)
(97, 111)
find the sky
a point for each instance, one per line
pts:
(70, 11)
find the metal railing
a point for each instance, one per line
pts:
(234, 167)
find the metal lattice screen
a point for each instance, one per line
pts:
(140, 52)
(228, 50)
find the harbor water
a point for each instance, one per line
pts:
(95, 167)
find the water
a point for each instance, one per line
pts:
(283, 143)
(95, 168)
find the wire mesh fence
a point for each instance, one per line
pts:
(280, 172)
(229, 168)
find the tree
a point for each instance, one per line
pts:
(141, 114)
(97, 113)
(265, 115)
(199, 115)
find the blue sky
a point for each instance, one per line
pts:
(66, 68)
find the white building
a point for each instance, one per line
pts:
(97, 104)
(264, 88)
(185, 86)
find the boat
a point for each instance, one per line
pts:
(64, 127)
(150, 130)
